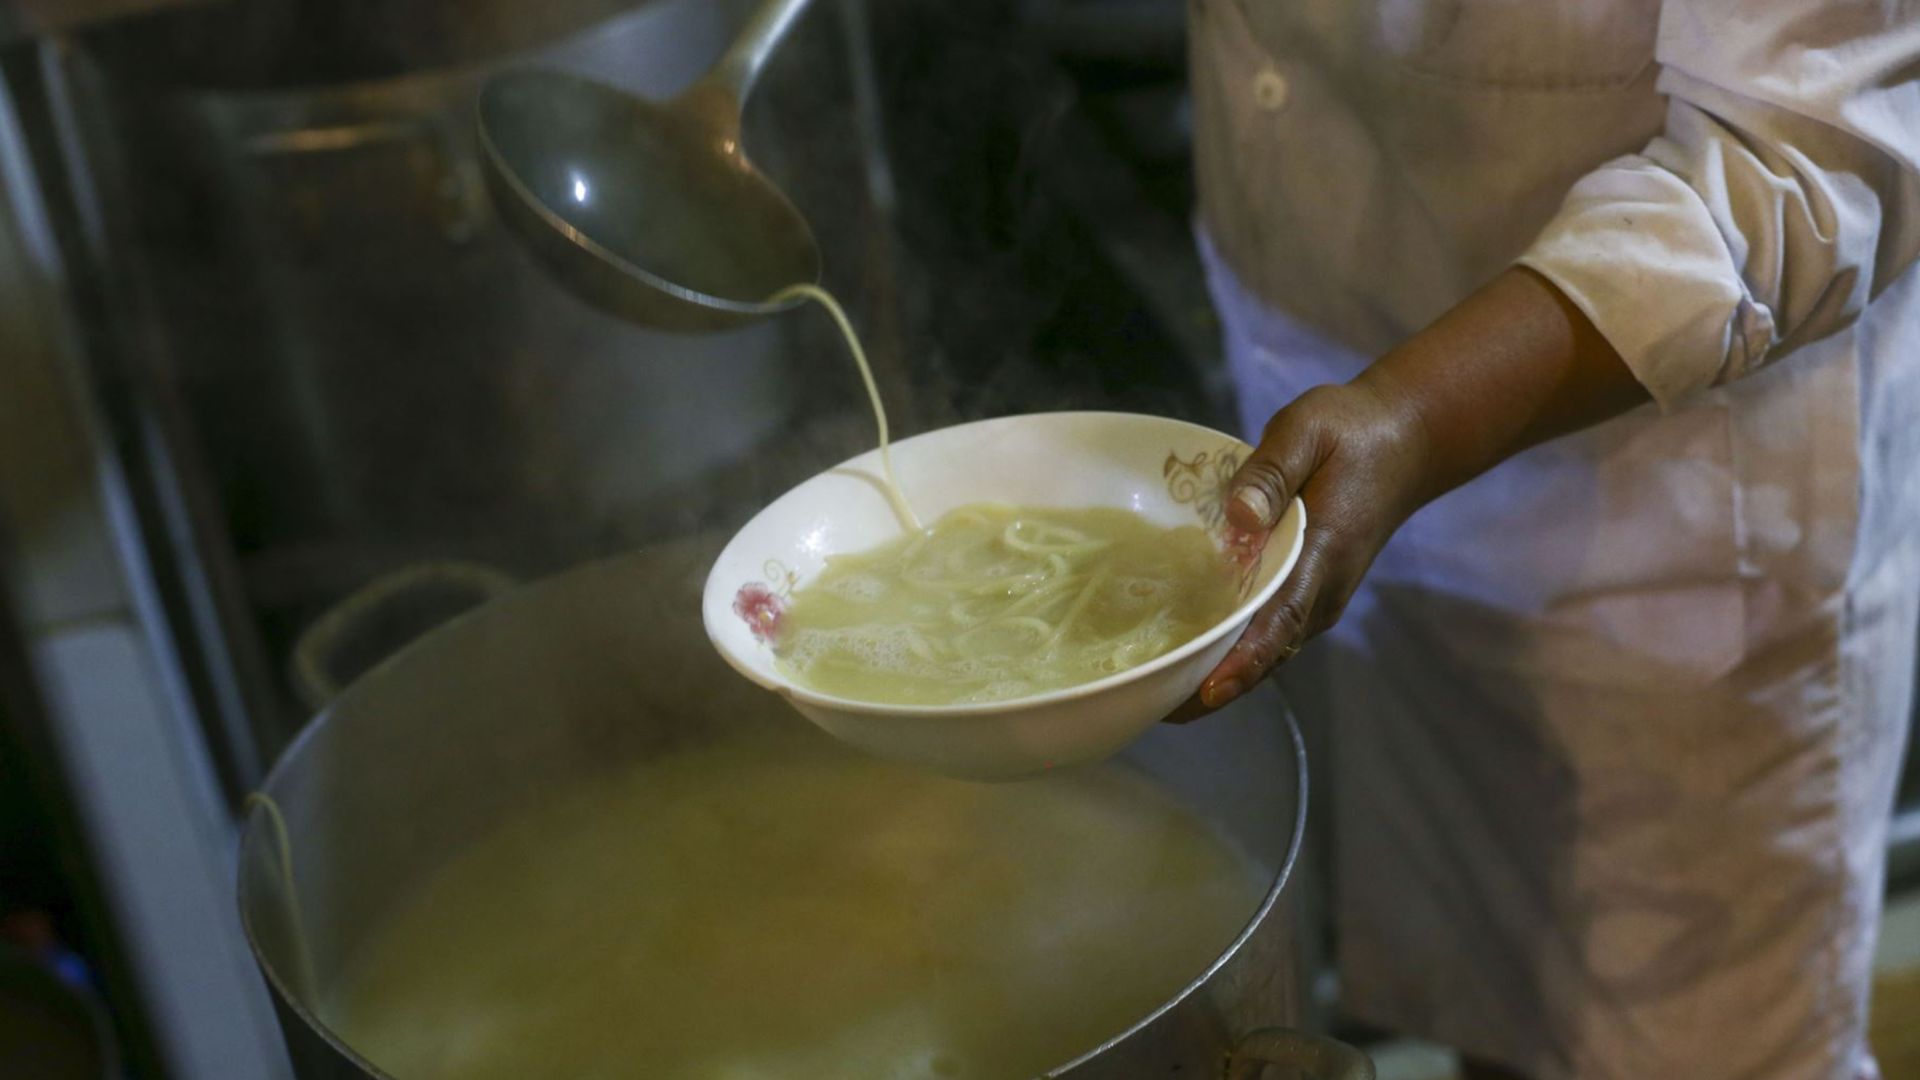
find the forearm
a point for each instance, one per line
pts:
(1513, 365)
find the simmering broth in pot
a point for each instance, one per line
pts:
(762, 912)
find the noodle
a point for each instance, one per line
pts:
(901, 508)
(994, 602)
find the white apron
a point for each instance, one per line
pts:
(1615, 728)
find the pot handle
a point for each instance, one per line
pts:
(317, 648)
(1316, 1057)
(457, 199)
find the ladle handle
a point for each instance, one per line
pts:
(740, 66)
(1312, 1057)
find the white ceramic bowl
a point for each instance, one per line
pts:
(1169, 471)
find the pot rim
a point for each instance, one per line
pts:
(1281, 877)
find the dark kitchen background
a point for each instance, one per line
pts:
(265, 355)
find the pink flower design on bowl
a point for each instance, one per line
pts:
(761, 608)
(1244, 550)
(1241, 546)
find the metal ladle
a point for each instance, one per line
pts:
(649, 210)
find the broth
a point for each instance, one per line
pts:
(902, 509)
(997, 602)
(771, 912)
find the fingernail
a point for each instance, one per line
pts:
(1216, 694)
(1257, 505)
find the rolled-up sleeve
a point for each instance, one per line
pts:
(1782, 196)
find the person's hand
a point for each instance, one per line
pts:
(1355, 457)
(1512, 365)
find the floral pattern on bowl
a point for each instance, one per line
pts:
(762, 605)
(1201, 482)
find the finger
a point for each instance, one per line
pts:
(1267, 481)
(1277, 631)
(1276, 634)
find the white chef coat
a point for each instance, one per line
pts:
(1615, 728)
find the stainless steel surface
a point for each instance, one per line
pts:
(1312, 1057)
(240, 45)
(93, 671)
(349, 364)
(588, 673)
(381, 616)
(650, 211)
(29, 18)
(421, 374)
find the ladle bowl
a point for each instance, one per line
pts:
(649, 210)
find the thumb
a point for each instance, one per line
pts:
(1289, 452)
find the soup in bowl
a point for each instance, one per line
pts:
(1059, 605)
